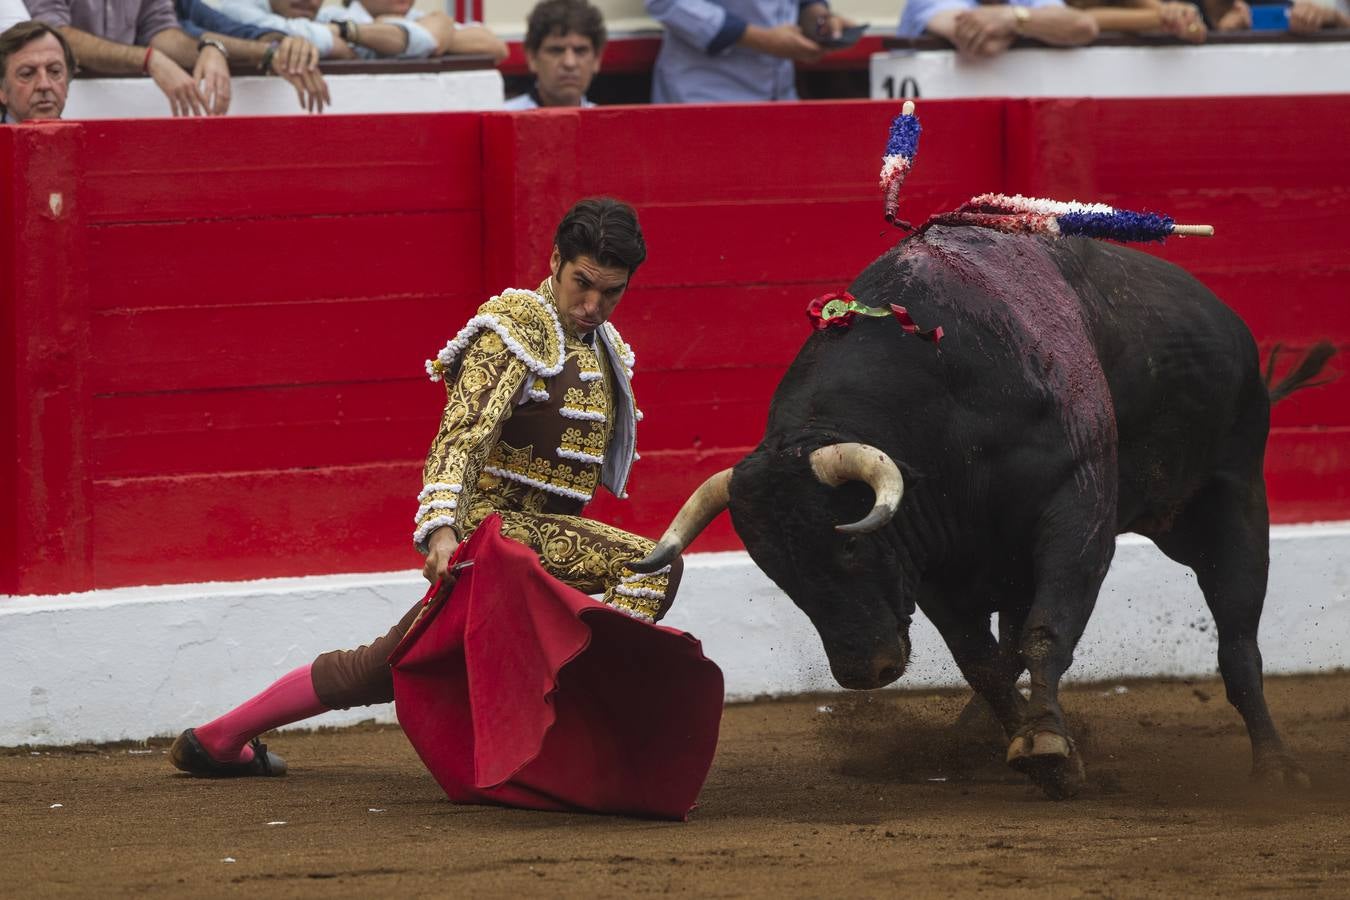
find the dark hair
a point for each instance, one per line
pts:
(16, 37)
(604, 229)
(561, 17)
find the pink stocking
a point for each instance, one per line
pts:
(290, 699)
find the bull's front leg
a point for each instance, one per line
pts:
(1071, 556)
(990, 672)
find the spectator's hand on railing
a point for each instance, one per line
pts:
(297, 61)
(341, 49)
(985, 30)
(1306, 17)
(212, 77)
(1237, 18)
(177, 85)
(786, 41)
(1183, 20)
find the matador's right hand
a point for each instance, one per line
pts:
(441, 546)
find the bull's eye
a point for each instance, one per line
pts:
(848, 548)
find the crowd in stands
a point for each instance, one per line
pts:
(711, 50)
(987, 29)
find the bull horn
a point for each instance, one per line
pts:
(837, 463)
(701, 508)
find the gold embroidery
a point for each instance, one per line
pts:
(587, 362)
(592, 399)
(580, 477)
(588, 555)
(592, 443)
(479, 400)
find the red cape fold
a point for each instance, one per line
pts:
(520, 690)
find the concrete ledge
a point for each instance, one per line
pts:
(131, 663)
(140, 98)
(1213, 69)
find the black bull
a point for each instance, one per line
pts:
(1081, 390)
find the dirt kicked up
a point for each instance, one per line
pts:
(857, 795)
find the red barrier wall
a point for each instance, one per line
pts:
(218, 338)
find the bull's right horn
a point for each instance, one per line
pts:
(835, 464)
(701, 508)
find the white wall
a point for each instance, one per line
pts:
(140, 98)
(136, 662)
(1180, 71)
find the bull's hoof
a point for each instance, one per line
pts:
(1279, 771)
(1050, 761)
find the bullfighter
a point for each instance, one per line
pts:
(539, 412)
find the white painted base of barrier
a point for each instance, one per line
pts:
(139, 98)
(1172, 71)
(133, 663)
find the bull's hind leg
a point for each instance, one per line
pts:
(1224, 536)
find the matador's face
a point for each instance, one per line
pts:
(586, 292)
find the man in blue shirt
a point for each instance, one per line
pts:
(721, 51)
(982, 30)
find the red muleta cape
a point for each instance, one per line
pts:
(520, 690)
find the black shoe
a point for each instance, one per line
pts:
(190, 756)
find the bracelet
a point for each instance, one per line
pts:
(145, 63)
(344, 30)
(265, 67)
(1021, 16)
(356, 34)
(212, 42)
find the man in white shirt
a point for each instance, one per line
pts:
(564, 40)
(449, 36)
(984, 29)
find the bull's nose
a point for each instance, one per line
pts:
(880, 672)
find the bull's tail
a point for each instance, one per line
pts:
(1308, 367)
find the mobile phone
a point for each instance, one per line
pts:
(850, 36)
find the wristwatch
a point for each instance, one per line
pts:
(346, 30)
(1021, 16)
(212, 42)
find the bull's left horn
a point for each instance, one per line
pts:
(701, 508)
(835, 464)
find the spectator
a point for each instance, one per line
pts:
(564, 40)
(106, 36)
(450, 36)
(1307, 16)
(197, 18)
(984, 30)
(1179, 19)
(1227, 15)
(341, 34)
(35, 70)
(718, 51)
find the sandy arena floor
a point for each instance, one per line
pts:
(857, 801)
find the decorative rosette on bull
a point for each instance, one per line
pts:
(901, 147)
(838, 309)
(1033, 215)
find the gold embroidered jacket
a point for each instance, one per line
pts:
(528, 402)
